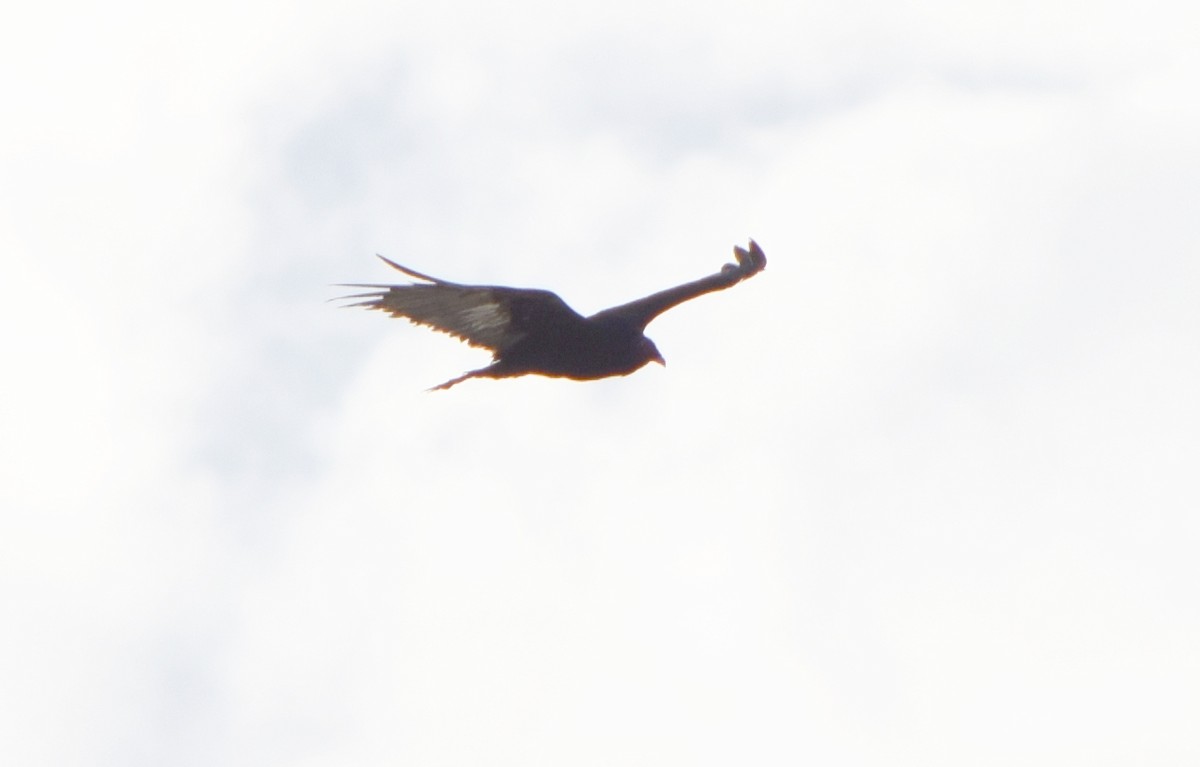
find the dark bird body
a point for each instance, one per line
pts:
(535, 332)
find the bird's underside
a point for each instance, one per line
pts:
(534, 331)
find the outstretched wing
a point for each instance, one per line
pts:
(640, 312)
(490, 317)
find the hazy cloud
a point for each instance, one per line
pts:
(920, 493)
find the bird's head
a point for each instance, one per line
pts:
(650, 353)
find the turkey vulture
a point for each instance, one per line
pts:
(534, 331)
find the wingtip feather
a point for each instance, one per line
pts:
(410, 272)
(750, 261)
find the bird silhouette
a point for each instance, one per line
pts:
(534, 332)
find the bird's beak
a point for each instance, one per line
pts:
(659, 359)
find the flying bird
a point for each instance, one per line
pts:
(534, 331)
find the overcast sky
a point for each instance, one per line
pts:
(924, 492)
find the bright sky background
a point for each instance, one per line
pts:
(922, 493)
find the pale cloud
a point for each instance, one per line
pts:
(920, 493)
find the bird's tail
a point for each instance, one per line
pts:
(453, 381)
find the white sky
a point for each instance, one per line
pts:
(922, 493)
